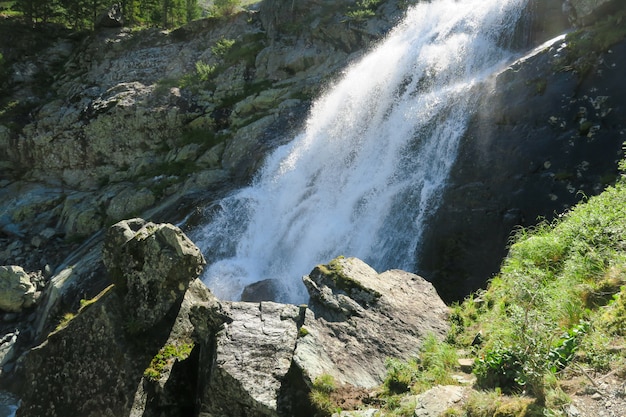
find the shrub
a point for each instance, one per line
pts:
(204, 71)
(433, 366)
(222, 47)
(224, 8)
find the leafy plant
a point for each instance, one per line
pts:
(563, 351)
(204, 71)
(363, 10)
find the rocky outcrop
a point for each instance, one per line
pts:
(547, 133)
(164, 113)
(356, 313)
(197, 355)
(151, 266)
(16, 289)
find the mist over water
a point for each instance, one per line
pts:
(367, 171)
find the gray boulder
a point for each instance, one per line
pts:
(358, 318)
(16, 289)
(253, 354)
(152, 266)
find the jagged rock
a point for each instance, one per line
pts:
(152, 266)
(356, 313)
(235, 359)
(16, 289)
(253, 354)
(101, 361)
(7, 348)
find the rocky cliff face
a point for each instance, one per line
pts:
(130, 118)
(549, 134)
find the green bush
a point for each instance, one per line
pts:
(204, 71)
(225, 8)
(222, 47)
(364, 9)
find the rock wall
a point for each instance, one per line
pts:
(129, 118)
(547, 134)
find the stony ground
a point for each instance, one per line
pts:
(597, 395)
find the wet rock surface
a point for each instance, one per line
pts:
(549, 134)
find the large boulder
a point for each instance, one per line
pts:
(16, 289)
(252, 356)
(129, 350)
(152, 266)
(356, 313)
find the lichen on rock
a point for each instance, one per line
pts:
(152, 266)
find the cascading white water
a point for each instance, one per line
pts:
(366, 171)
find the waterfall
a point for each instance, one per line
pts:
(365, 173)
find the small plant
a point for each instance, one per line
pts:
(165, 358)
(65, 320)
(400, 375)
(499, 367)
(222, 47)
(204, 71)
(563, 351)
(433, 366)
(320, 395)
(363, 10)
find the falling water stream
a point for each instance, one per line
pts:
(365, 173)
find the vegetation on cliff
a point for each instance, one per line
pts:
(556, 310)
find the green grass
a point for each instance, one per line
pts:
(166, 356)
(558, 300)
(320, 395)
(433, 366)
(557, 305)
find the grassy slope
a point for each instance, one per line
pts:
(558, 304)
(556, 309)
